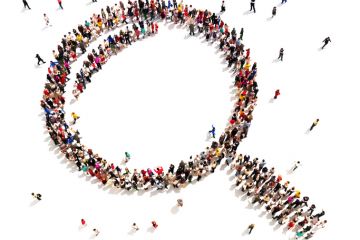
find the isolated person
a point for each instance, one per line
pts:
(326, 41)
(154, 224)
(39, 59)
(296, 165)
(60, 4)
(277, 93)
(135, 227)
(36, 196)
(26, 5)
(241, 33)
(96, 232)
(274, 12)
(180, 202)
(223, 6)
(314, 124)
(46, 19)
(281, 54)
(83, 222)
(283, 1)
(127, 157)
(212, 131)
(251, 227)
(252, 6)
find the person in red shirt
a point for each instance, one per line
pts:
(277, 93)
(154, 224)
(60, 4)
(83, 223)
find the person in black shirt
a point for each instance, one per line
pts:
(326, 41)
(252, 6)
(26, 5)
(39, 59)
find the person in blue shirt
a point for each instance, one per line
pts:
(212, 131)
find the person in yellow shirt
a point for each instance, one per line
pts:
(75, 117)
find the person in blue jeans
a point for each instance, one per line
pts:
(212, 131)
(283, 1)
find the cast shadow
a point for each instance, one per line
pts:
(271, 100)
(247, 12)
(150, 229)
(269, 19)
(175, 209)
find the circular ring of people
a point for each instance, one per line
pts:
(255, 179)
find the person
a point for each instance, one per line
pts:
(75, 117)
(212, 131)
(296, 165)
(127, 157)
(83, 223)
(180, 202)
(241, 33)
(314, 124)
(135, 227)
(60, 4)
(277, 93)
(39, 59)
(96, 232)
(192, 27)
(274, 12)
(252, 6)
(251, 227)
(281, 54)
(299, 234)
(94, 0)
(154, 224)
(36, 196)
(46, 19)
(26, 5)
(326, 41)
(223, 7)
(283, 1)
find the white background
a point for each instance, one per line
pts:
(158, 99)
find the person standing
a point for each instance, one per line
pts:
(135, 227)
(36, 196)
(277, 93)
(154, 224)
(251, 227)
(83, 222)
(192, 27)
(281, 54)
(39, 59)
(60, 4)
(241, 33)
(252, 6)
(274, 12)
(223, 7)
(26, 5)
(314, 124)
(326, 41)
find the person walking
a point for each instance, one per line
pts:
(283, 1)
(212, 131)
(326, 42)
(314, 124)
(39, 59)
(96, 232)
(127, 157)
(281, 54)
(135, 227)
(26, 5)
(251, 227)
(60, 4)
(46, 19)
(277, 93)
(154, 224)
(241, 33)
(252, 6)
(274, 12)
(296, 165)
(36, 196)
(75, 117)
(83, 222)
(223, 7)
(180, 202)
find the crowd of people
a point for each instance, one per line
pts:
(139, 19)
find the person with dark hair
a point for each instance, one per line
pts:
(60, 4)
(281, 54)
(36, 196)
(39, 59)
(26, 5)
(314, 124)
(277, 93)
(241, 33)
(274, 12)
(135, 227)
(252, 6)
(212, 131)
(283, 1)
(326, 42)
(223, 7)
(251, 227)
